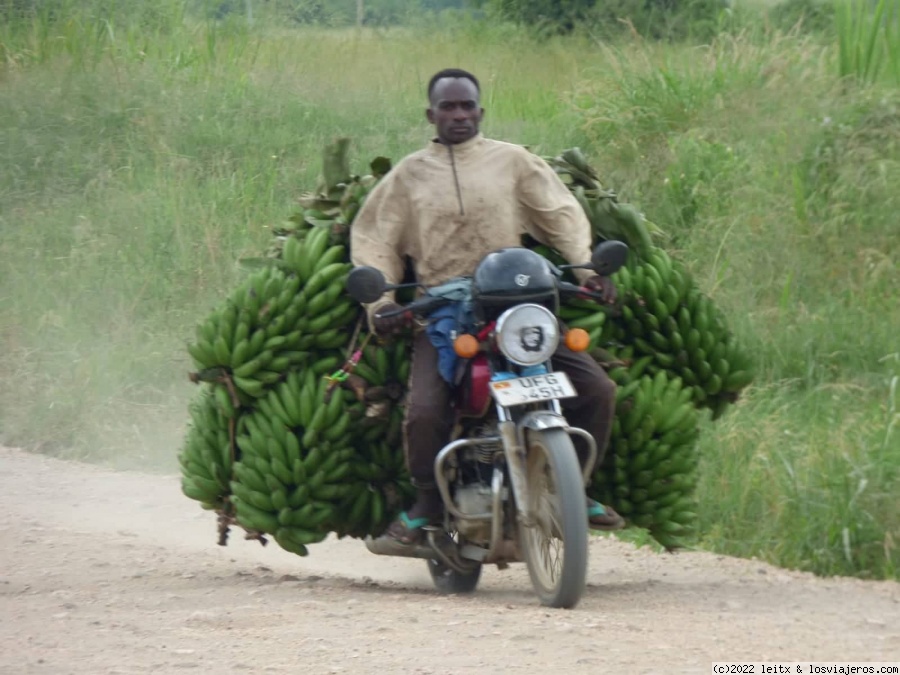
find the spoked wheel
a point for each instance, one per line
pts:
(555, 545)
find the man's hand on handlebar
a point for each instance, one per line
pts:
(602, 285)
(386, 325)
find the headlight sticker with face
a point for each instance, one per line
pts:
(527, 334)
(532, 338)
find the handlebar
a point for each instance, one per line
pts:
(427, 304)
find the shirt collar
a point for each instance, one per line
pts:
(460, 150)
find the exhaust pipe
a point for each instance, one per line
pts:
(389, 546)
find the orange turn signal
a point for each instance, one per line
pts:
(465, 346)
(577, 339)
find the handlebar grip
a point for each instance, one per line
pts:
(425, 305)
(580, 291)
(420, 306)
(390, 315)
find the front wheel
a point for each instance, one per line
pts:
(555, 544)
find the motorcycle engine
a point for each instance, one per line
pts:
(472, 499)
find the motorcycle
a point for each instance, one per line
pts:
(510, 478)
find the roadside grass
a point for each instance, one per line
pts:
(815, 496)
(139, 164)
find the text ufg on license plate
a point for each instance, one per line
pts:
(532, 389)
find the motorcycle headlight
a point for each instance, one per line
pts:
(527, 334)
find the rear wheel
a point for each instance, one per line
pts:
(448, 580)
(555, 544)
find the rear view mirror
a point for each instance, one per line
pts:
(608, 257)
(366, 284)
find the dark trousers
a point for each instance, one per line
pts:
(430, 417)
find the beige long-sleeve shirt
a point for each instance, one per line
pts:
(446, 207)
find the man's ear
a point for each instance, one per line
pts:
(429, 114)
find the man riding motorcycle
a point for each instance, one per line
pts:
(446, 207)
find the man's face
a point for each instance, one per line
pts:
(455, 110)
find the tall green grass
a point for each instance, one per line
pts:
(868, 39)
(142, 156)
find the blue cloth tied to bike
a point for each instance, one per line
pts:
(449, 321)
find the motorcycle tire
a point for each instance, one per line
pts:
(555, 546)
(448, 580)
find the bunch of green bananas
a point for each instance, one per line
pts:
(276, 318)
(286, 316)
(305, 469)
(661, 314)
(207, 455)
(649, 471)
(308, 463)
(665, 316)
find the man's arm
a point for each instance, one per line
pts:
(555, 217)
(378, 233)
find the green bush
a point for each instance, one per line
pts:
(333, 12)
(809, 16)
(655, 19)
(155, 16)
(547, 15)
(698, 20)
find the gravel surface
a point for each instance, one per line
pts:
(118, 572)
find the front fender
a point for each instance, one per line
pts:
(540, 420)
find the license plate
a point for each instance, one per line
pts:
(523, 390)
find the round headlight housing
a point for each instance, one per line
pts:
(527, 334)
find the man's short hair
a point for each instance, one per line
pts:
(452, 72)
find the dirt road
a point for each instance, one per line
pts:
(107, 572)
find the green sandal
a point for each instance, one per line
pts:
(603, 517)
(407, 531)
